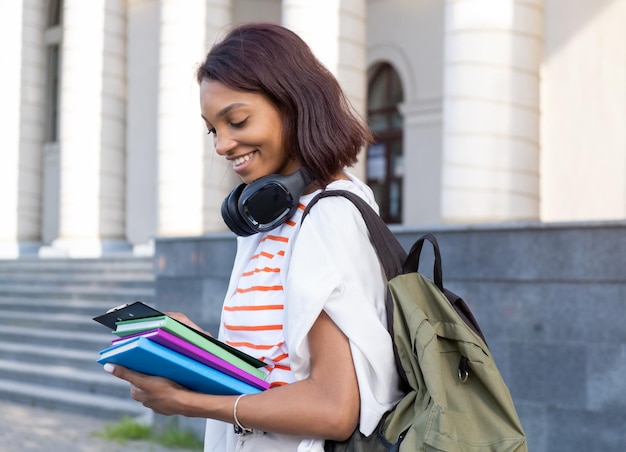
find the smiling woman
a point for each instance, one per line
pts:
(319, 128)
(246, 129)
(307, 300)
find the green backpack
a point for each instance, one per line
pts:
(456, 399)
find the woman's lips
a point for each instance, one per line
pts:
(239, 160)
(239, 163)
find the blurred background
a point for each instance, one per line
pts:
(499, 125)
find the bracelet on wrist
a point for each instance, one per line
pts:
(238, 427)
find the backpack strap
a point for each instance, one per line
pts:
(412, 265)
(412, 262)
(390, 254)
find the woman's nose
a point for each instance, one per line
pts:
(223, 143)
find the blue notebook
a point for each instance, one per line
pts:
(145, 356)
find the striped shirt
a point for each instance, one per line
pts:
(319, 272)
(253, 317)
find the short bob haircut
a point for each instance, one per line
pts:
(320, 129)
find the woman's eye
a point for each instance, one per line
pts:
(239, 124)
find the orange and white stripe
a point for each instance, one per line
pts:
(253, 317)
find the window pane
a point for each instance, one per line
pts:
(398, 165)
(377, 95)
(376, 162)
(395, 88)
(397, 159)
(378, 122)
(385, 159)
(379, 195)
(395, 200)
(396, 120)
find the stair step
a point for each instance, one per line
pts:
(79, 340)
(90, 308)
(112, 295)
(49, 342)
(42, 354)
(93, 265)
(74, 289)
(53, 320)
(81, 272)
(53, 284)
(104, 407)
(89, 379)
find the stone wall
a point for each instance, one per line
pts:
(550, 298)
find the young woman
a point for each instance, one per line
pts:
(307, 299)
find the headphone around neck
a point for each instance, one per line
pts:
(265, 203)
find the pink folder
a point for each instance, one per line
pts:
(183, 347)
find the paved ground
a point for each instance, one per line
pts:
(23, 428)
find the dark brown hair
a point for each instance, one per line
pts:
(320, 129)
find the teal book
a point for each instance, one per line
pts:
(143, 355)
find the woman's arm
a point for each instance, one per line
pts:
(324, 405)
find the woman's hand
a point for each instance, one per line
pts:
(182, 318)
(157, 393)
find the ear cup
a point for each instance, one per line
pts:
(265, 203)
(231, 215)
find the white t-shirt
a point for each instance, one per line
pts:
(329, 265)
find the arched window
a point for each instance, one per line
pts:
(53, 38)
(385, 170)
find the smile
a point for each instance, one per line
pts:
(244, 158)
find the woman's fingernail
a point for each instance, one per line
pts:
(108, 367)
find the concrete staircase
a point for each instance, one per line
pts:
(48, 341)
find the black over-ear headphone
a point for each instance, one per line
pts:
(265, 203)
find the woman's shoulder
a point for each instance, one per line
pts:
(351, 184)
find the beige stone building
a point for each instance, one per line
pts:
(484, 111)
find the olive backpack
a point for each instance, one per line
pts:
(455, 397)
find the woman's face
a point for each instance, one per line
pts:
(246, 129)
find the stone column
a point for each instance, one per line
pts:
(21, 116)
(164, 123)
(492, 56)
(219, 178)
(13, 30)
(11, 25)
(92, 130)
(143, 31)
(179, 133)
(335, 30)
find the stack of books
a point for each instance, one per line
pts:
(153, 343)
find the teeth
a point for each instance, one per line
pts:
(240, 160)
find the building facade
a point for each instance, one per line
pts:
(485, 111)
